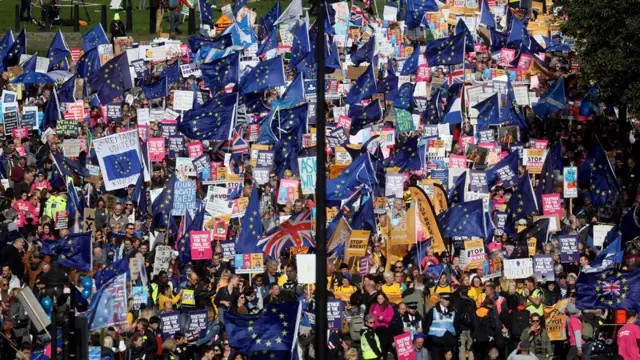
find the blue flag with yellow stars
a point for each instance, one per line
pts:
(552, 163)
(364, 218)
(359, 172)
(273, 329)
(301, 45)
(94, 37)
(609, 289)
(486, 17)
(58, 52)
(498, 39)
(596, 171)
(364, 88)
(88, 64)
(456, 194)
(416, 10)
(293, 125)
(251, 232)
(68, 90)
(122, 165)
(433, 110)
(362, 116)
(212, 121)
(109, 305)
(219, 73)
(74, 251)
(157, 90)
(461, 27)
(6, 43)
(517, 34)
(538, 232)
(404, 98)
(51, 113)
(523, 200)
(407, 157)
(506, 170)
(267, 74)
(364, 53)
(206, 13)
(112, 270)
(171, 72)
(68, 167)
(411, 65)
(266, 22)
(266, 136)
(17, 48)
(446, 51)
(293, 95)
(464, 219)
(270, 43)
(488, 111)
(112, 79)
(162, 206)
(388, 86)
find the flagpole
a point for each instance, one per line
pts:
(321, 338)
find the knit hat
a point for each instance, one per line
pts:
(116, 17)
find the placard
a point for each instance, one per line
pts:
(10, 121)
(533, 160)
(306, 268)
(61, 220)
(543, 268)
(358, 243)
(184, 197)
(568, 248)
(404, 120)
(570, 187)
(140, 296)
(457, 161)
(307, 167)
(162, 258)
(394, 186)
(551, 204)
(201, 245)
(265, 159)
(287, 191)
(156, 149)
(473, 255)
(334, 314)
(228, 249)
(197, 323)
(479, 181)
(518, 268)
(185, 168)
(249, 263)
(195, 149)
(170, 324)
(183, 100)
(600, 233)
(404, 346)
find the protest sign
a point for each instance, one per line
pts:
(69, 128)
(61, 221)
(196, 323)
(21, 133)
(364, 266)
(307, 168)
(228, 249)
(184, 197)
(533, 160)
(170, 324)
(10, 121)
(600, 233)
(288, 191)
(185, 168)
(568, 248)
(357, 243)
(201, 163)
(555, 320)
(551, 204)
(156, 149)
(134, 269)
(71, 147)
(394, 186)
(265, 159)
(570, 186)
(306, 268)
(120, 159)
(140, 296)
(162, 258)
(334, 314)
(486, 136)
(404, 346)
(404, 232)
(404, 120)
(183, 100)
(518, 268)
(543, 268)
(195, 149)
(473, 255)
(249, 263)
(201, 245)
(479, 181)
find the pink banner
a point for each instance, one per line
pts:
(201, 245)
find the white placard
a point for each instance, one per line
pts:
(306, 268)
(600, 233)
(120, 145)
(143, 116)
(390, 13)
(182, 100)
(518, 268)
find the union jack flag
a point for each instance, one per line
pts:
(294, 232)
(611, 288)
(358, 16)
(367, 3)
(238, 144)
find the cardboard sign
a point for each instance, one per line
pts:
(600, 233)
(555, 320)
(570, 186)
(89, 219)
(249, 263)
(183, 100)
(306, 268)
(543, 268)
(518, 268)
(404, 346)
(358, 243)
(201, 245)
(69, 128)
(551, 204)
(473, 255)
(568, 248)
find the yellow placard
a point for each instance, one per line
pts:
(404, 233)
(358, 243)
(427, 218)
(555, 320)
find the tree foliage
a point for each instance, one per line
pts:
(608, 45)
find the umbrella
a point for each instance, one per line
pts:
(32, 78)
(60, 74)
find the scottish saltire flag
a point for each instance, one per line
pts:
(239, 5)
(359, 172)
(171, 72)
(291, 14)
(109, 305)
(461, 27)
(416, 10)
(270, 44)
(294, 232)
(609, 289)
(219, 73)
(251, 231)
(68, 167)
(488, 111)
(267, 74)
(221, 41)
(245, 26)
(94, 38)
(112, 79)
(88, 64)
(68, 90)
(596, 171)
(459, 189)
(552, 100)
(607, 258)
(453, 109)
(464, 219)
(120, 159)
(364, 88)
(74, 251)
(446, 51)
(112, 270)
(206, 13)
(301, 46)
(362, 116)
(6, 43)
(523, 200)
(58, 51)
(486, 17)
(17, 48)
(364, 53)
(266, 25)
(410, 66)
(213, 121)
(275, 329)
(589, 106)
(157, 90)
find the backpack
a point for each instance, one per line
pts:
(465, 311)
(355, 327)
(589, 331)
(519, 322)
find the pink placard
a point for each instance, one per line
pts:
(21, 133)
(344, 122)
(540, 144)
(490, 146)
(524, 62)
(157, 150)
(551, 204)
(424, 73)
(75, 110)
(404, 346)
(506, 57)
(254, 131)
(464, 140)
(457, 161)
(201, 245)
(195, 149)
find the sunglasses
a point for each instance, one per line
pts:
(535, 321)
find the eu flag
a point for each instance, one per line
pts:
(122, 165)
(609, 289)
(93, 38)
(273, 329)
(523, 201)
(68, 167)
(293, 123)
(212, 121)
(112, 79)
(17, 48)
(498, 39)
(364, 53)
(58, 51)
(267, 21)
(51, 113)
(515, 114)
(411, 64)
(538, 231)
(517, 33)
(171, 72)
(74, 251)
(597, 172)
(589, 105)
(446, 51)
(359, 172)
(219, 73)
(552, 163)
(6, 43)
(404, 98)
(407, 157)
(88, 64)
(506, 170)
(433, 109)
(270, 43)
(139, 196)
(293, 95)
(486, 17)
(362, 116)
(552, 100)
(364, 88)
(267, 74)
(461, 27)
(416, 10)
(156, 90)
(364, 218)
(184, 244)
(266, 136)
(301, 45)
(456, 194)
(389, 86)
(239, 4)
(251, 232)
(488, 111)
(109, 305)
(464, 219)
(162, 206)
(112, 270)
(206, 13)
(67, 90)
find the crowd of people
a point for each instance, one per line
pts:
(482, 203)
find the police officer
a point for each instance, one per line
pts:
(442, 326)
(536, 306)
(56, 202)
(369, 341)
